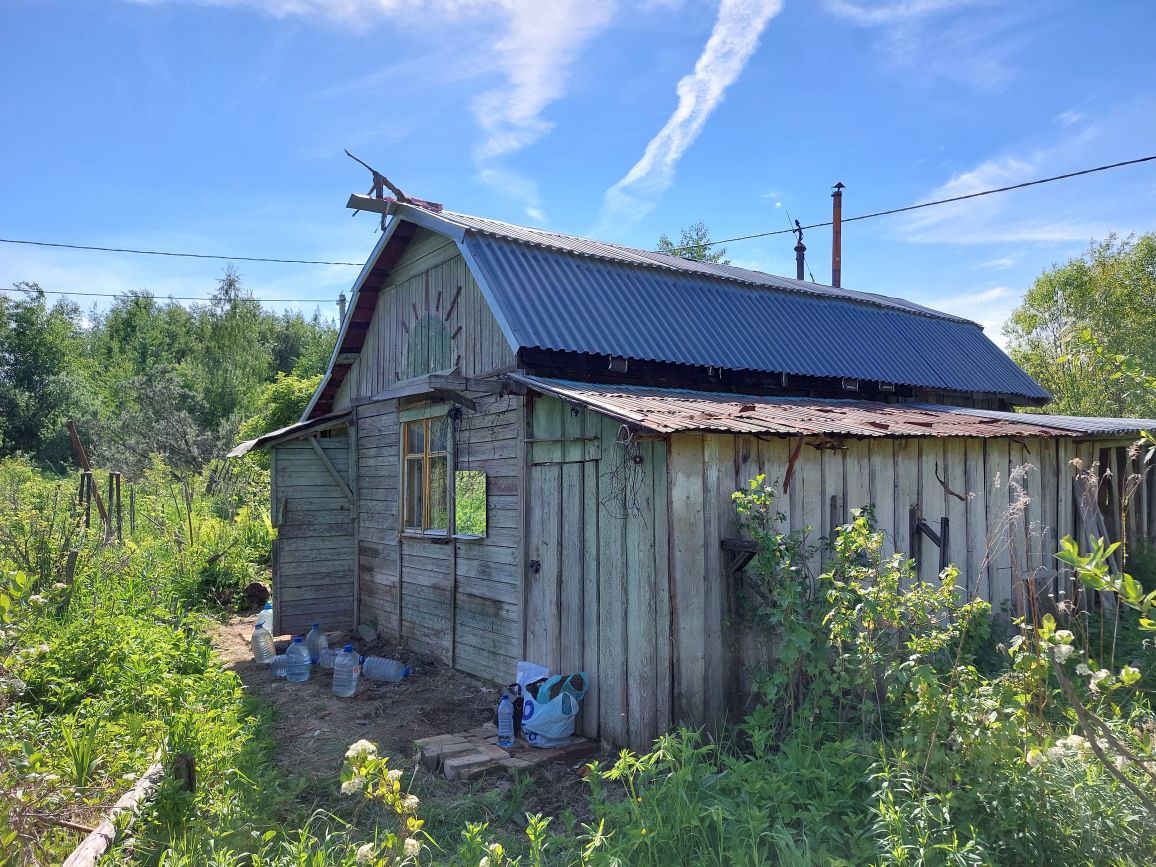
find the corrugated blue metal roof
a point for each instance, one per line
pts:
(596, 302)
(665, 261)
(1073, 424)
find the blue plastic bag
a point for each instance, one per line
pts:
(552, 720)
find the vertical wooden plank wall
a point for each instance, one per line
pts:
(688, 571)
(465, 589)
(599, 599)
(313, 579)
(379, 496)
(431, 279)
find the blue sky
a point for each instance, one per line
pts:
(218, 126)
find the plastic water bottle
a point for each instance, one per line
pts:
(327, 657)
(386, 670)
(316, 642)
(265, 618)
(345, 671)
(505, 721)
(280, 665)
(297, 661)
(262, 644)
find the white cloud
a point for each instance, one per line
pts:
(536, 52)
(996, 218)
(514, 186)
(1067, 118)
(989, 307)
(1001, 263)
(873, 14)
(975, 41)
(531, 44)
(733, 41)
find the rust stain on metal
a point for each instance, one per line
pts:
(669, 410)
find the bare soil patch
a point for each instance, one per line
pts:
(313, 728)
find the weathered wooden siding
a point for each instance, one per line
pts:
(313, 571)
(431, 279)
(458, 601)
(1007, 503)
(598, 595)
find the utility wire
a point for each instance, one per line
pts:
(129, 294)
(1020, 186)
(936, 202)
(179, 255)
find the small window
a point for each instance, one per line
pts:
(426, 482)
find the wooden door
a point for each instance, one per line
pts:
(558, 623)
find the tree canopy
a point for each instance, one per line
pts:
(151, 376)
(695, 243)
(1109, 295)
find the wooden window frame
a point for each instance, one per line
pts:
(425, 417)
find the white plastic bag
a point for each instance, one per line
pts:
(528, 672)
(550, 721)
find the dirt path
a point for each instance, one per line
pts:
(313, 728)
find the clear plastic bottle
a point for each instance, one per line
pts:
(316, 642)
(265, 618)
(280, 665)
(327, 657)
(297, 661)
(345, 672)
(262, 644)
(387, 670)
(505, 721)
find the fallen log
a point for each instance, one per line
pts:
(96, 844)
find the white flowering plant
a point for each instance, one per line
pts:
(367, 774)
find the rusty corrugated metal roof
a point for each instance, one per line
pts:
(293, 430)
(667, 410)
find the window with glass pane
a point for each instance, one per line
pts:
(426, 483)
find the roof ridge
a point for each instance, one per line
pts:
(636, 256)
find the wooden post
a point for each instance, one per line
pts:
(185, 771)
(132, 510)
(82, 459)
(119, 511)
(108, 516)
(87, 485)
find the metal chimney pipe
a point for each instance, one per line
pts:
(340, 309)
(837, 236)
(800, 255)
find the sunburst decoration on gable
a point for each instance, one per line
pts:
(431, 336)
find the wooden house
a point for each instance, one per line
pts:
(526, 443)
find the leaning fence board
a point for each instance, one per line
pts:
(96, 844)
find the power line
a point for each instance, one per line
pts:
(178, 255)
(129, 294)
(936, 202)
(869, 216)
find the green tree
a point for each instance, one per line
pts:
(235, 359)
(696, 244)
(280, 404)
(42, 375)
(1109, 291)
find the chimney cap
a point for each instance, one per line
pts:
(838, 188)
